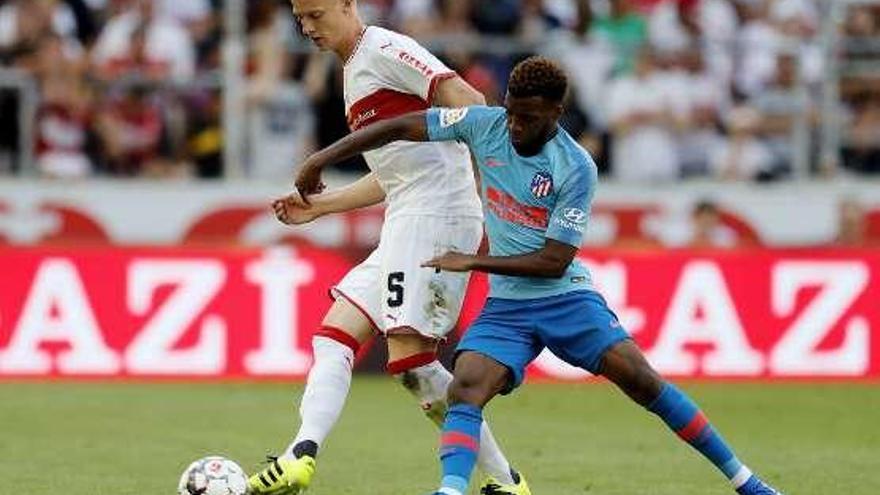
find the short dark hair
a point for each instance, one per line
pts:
(705, 206)
(538, 76)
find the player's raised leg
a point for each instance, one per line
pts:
(625, 365)
(412, 360)
(491, 359)
(334, 345)
(581, 329)
(477, 380)
(420, 306)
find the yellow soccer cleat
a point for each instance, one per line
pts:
(283, 477)
(493, 487)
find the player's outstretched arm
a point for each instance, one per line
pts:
(292, 209)
(550, 261)
(364, 192)
(410, 127)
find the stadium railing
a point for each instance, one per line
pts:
(27, 92)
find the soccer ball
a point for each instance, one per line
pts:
(213, 475)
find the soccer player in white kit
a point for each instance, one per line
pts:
(432, 208)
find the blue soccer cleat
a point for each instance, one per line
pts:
(754, 486)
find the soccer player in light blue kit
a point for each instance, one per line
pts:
(537, 187)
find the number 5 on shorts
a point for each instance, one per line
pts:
(395, 288)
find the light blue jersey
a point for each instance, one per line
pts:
(526, 199)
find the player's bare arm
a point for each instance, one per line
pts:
(550, 261)
(455, 92)
(410, 127)
(292, 209)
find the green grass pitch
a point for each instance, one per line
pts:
(569, 439)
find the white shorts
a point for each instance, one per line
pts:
(395, 292)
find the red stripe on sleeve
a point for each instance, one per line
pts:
(435, 81)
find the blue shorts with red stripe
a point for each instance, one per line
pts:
(578, 327)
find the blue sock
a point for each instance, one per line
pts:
(680, 413)
(459, 445)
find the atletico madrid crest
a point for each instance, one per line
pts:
(542, 184)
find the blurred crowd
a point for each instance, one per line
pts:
(105, 71)
(662, 90)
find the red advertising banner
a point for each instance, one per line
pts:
(185, 312)
(750, 313)
(162, 312)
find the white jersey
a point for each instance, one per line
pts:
(387, 75)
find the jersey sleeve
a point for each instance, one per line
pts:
(456, 124)
(568, 221)
(408, 67)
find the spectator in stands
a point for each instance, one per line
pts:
(851, 228)
(719, 25)
(562, 12)
(279, 116)
(589, 65)
(414, 17)
(268, 62)
(205, 135)
(861, 136)
(862, 21)
(498, 17)
(27, 30)
(453, 18)
(472, 70)
(758, 43)
(861, 152)
(493, 18)
(537, 21)
(590, 62)
(64, 121)
(798, 22)
(323, 83)
(672, 24)
(166, 46)
(374, 12)
(24, 24)
(676, 25)
(784, 105)
(87, 23)
(643, 120)
(133, 134)
(742, 156)
(136, 63)
(707, 99)
(449, 20)
(624, 29)
(188, 13)
(203, 20)
(708, 230)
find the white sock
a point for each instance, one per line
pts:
(741, 476)
(430, 383)
(326, 391)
